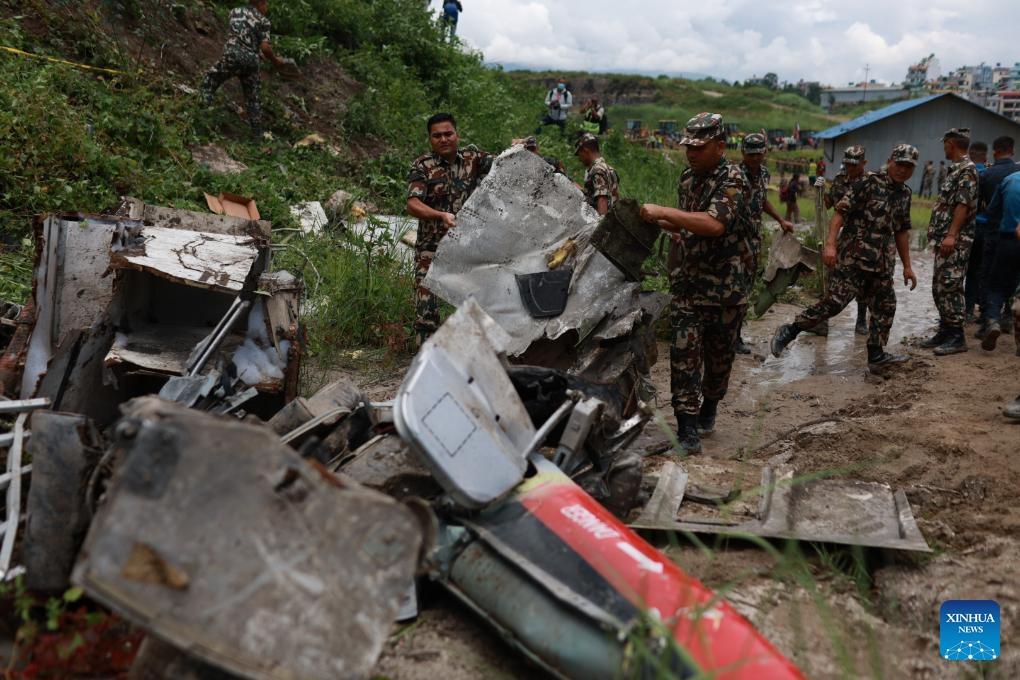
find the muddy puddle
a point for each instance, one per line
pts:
(843, 352)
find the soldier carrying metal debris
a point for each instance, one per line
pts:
(870, 218)
(711, 270)
(248, 40)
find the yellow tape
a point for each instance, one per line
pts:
(22, 53)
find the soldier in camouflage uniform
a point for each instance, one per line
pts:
(950, 235)
(601, 183)
(711, 271)
(927, 175)
(438, 184)
(871, 219)
(248, 40)
(753, 148)
(852, 171)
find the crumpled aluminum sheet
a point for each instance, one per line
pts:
(519, 214)
(787, 252)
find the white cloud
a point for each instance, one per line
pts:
(735, 39)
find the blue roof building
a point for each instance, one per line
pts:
(920, 122)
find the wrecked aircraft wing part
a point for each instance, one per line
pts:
(216, 261)
(520, 214)
(458, 409)
(311, 216)
(159, 347)
(788, 252)
(848, 512)
(281, 292)
(72, 255)
(191, 220)
(64, 450)
(222, 541)
(585, 597)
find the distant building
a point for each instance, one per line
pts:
(920, 74)
(835, 97)
(1006, 103)
(920, 122)
(1001, 77)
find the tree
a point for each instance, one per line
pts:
(771, 81)
(814, 93)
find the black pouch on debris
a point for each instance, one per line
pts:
(544, 294)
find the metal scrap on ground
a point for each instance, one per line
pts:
(233, 543)
(845, 511)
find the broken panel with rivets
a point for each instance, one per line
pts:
(222, 541)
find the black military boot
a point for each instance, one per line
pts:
(783, 337)
(877, 356)
(954, 343)
(741, 347)
(706, 417)
(937, 339)
(687, 433)
(861, 327)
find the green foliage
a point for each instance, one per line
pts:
(359, 289)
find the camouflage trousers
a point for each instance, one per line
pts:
(426, 305)
(947, 283)
(701, 353)
(246, 68)
(874, 289)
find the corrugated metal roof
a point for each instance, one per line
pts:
(876, 115)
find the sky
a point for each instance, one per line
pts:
(832, 42)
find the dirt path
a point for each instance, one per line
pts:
(932, 427)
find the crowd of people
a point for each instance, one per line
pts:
(716, 235)
(716, 229)
(974, 234)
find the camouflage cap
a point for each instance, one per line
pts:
(956, 133)
(587, 139)
(702, 129)
(904, 153)
(755, 142)
(853, 155)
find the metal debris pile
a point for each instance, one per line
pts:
(177, 477)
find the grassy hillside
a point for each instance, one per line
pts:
(654, 99)
(75, 139)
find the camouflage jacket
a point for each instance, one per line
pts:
(838, 187)
(601, 180)
(445, 187)
(874, 210)
(759, 193)
(249, 28)
(718, 270)
(959, 187)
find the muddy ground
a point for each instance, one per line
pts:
(931, 427)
